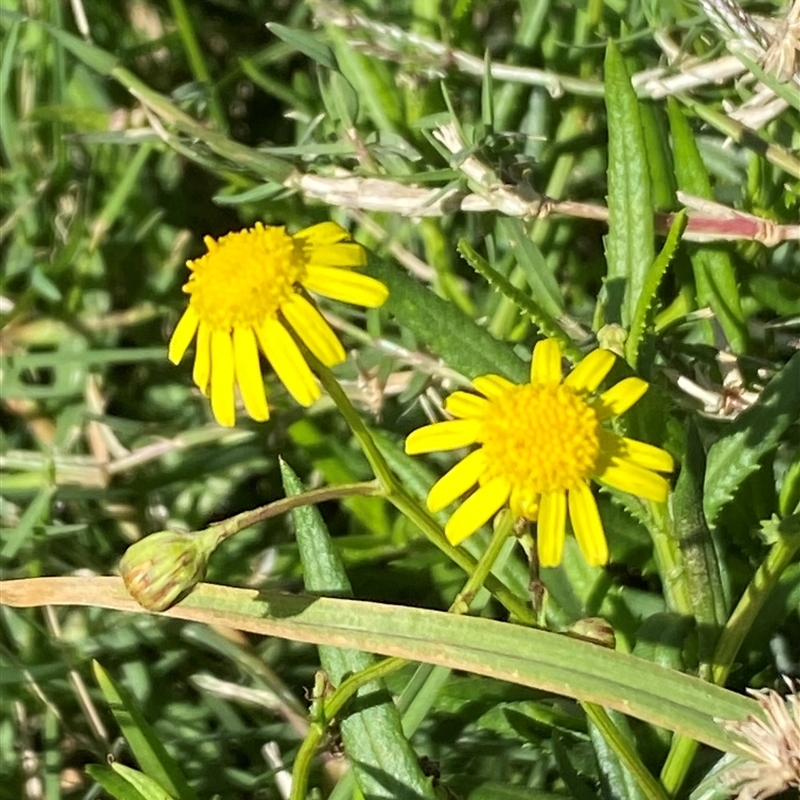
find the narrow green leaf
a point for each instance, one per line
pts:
(643, 309)
(144, 784)
(383, 760)
(714, 276)
(449, 333)
(197, 62)
(576, 785)
(307, 43)
(145, 745)
(113, 782)
(612, 768)
(487, 95)
(264, 191)
(526, 656)
(701, 566)
(629, 242)
(121, 193)
(340, 99)
(659, 155)
(94, 57)
(35, 514)
(542, 282)
(789, 499)
(754, 434)
(378, 98)
(541, 318)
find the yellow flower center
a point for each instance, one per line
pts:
(245, 277)
(540, 439)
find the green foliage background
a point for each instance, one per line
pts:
(124, 142)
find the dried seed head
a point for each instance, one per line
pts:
(771, 743)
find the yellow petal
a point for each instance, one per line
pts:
(286, 359)
(448, 435)
(552, 528)
(323, 233)
(349, 287)
(589, 373)
(476, 510)
(546, 363)
(492, 386)
(201, 373)
(248, 373)
(312, 328)
(629, 477)
(342, 256)
(465, 404)
(183, 334)
(619, 398)
(586, 525)
(222, 378)
(460, 479)
(647, 455)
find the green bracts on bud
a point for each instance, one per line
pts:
(164, 567)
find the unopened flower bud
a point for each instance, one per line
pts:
(163, 568)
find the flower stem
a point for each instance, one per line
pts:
(332, 705)
(481, 572)
(667, 552)
(750, 604)
(627, 754)
(397, 494)
(781, 554)
(231, 526)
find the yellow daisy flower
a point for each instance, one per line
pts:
(246, 293)
(540, 444)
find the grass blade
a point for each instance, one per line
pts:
(150, 754)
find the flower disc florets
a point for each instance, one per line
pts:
(540, 439)
(245, 277)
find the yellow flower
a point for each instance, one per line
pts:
(246, 293)
(540, 444)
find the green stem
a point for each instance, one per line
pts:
(196, 63)
(302, 762)
(780, 556)
(668, 559)
(397, 494)
(682, 751)
(651, 788)
(750, 604)
(572, 124)
(231, 526)
(481, 572)
(347, 689)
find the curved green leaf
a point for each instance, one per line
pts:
(114, 783)
(505, 651)
(145, 785)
